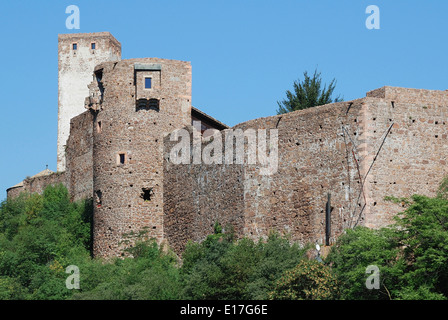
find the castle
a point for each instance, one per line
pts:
(336, 163)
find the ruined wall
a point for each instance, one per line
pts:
(131, 122)
(196, 196)
(75, 73)
(37, 184)
(413, 157)
(391, 143)
(13, 192)
(79, 157)
(315, 157)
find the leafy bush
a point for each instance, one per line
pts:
(309, 280)
(222, 268)
(412, 255)
(152, 274)
(360, 248)
(40, 235)
(423, 233)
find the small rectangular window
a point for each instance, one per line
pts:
(147, 83)
(75, 46)
(93, 46)
(99, 127)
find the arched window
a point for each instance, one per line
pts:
(148, 104)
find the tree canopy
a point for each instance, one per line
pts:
(41, 235)
(308, 93)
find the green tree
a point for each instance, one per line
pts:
(222, 268)
(423, 232)
(309, 280)
(150, 273)
(308, 93)
(277, 254)
(359, 248)
(40, 235)
(412, 254)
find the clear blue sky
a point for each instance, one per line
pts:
(244, 54)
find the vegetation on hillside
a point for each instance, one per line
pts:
(41, 235)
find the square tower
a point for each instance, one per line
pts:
(78, 54)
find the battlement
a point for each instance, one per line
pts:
(87, 39)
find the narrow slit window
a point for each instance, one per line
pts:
(99, 127)
(75, 46)
(93, 46)
(121, 158)
(147, 83)
(98, 198)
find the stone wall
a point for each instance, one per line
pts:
(37, 184)
(128, 150)
(315, 159)
(79, 157)
(196, 196)
(391, 143)
(413, 158)
(13, 192)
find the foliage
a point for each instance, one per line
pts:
(443, 189)
(308, 93)
(423, 232)
(150, 274)
(222, 268)
(309, 280)
(38, 235)
(41, 235)
(412, 254)
(360, 248)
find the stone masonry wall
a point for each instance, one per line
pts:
(317, 155)
(13, 192)
(391, 143)
(196, 196)
(413, 158)
(314, 160)
(128, 149)
(37, 184)
(79, 157)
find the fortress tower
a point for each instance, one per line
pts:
(78, 54)
(135, 103)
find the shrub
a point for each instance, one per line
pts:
(309, 280)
